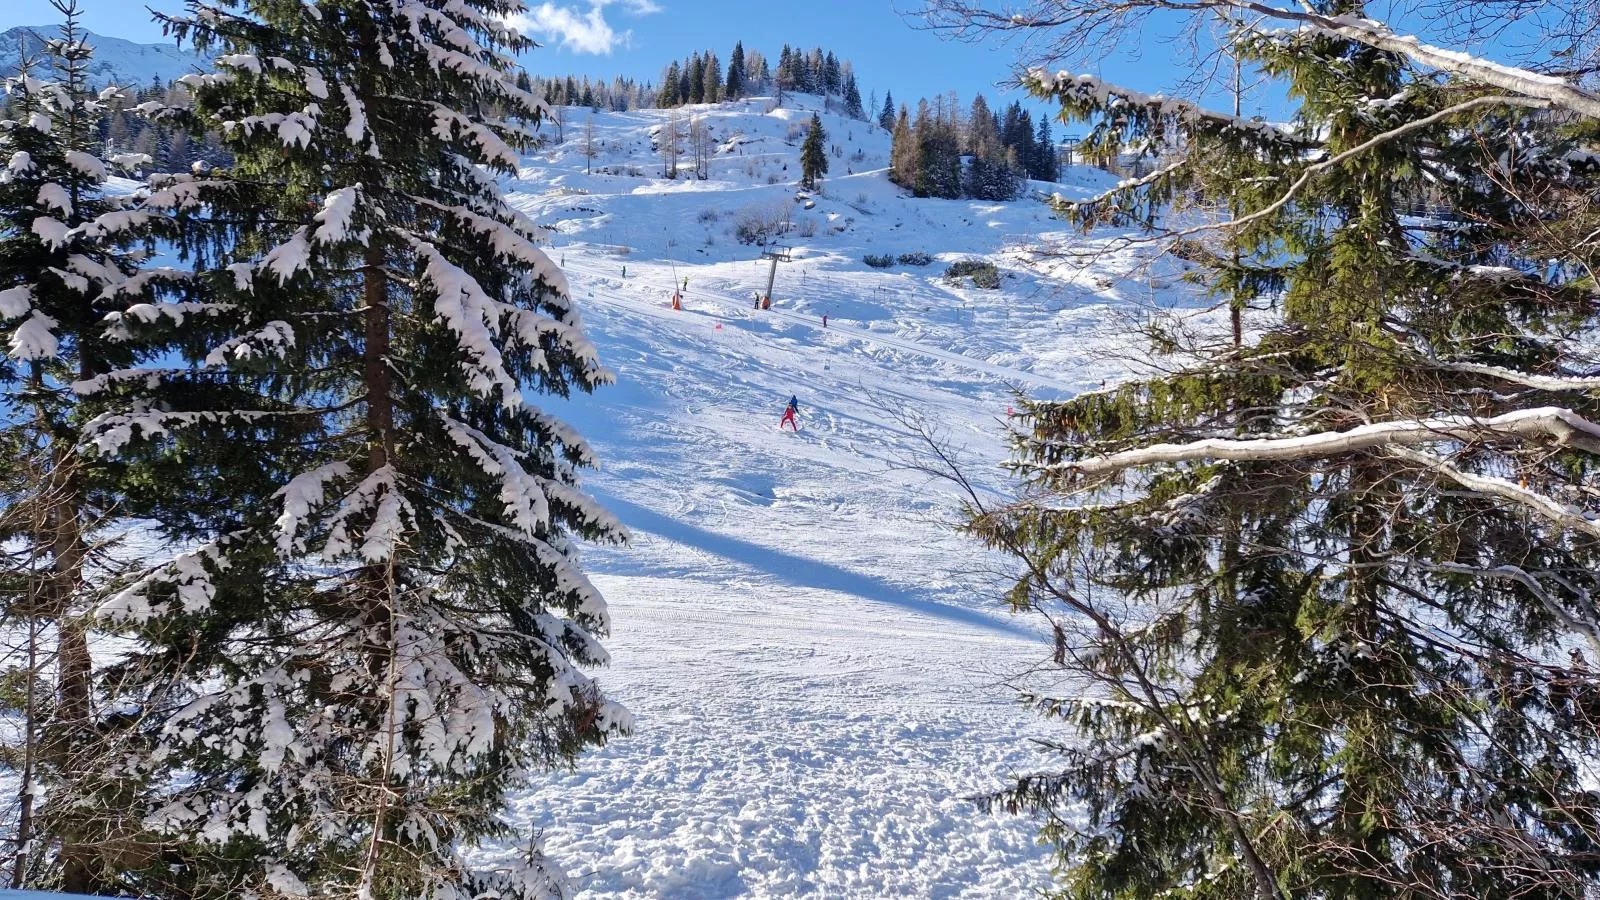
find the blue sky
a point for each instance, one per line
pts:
(637, 37)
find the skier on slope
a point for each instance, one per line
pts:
(789, 413)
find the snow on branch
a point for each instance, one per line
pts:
(1127, 184)
(1324, 165)
(1102, 94)
(1564, 425)
(108, 433)
(304, 493)
(570, 579)
(35, 338)
(508, 240)
(151, 378)
(188, 575)
(142, 282)
(1588, 630)
(1526, 379)
(1560, 514)
(471, 314)
(333, 220)
(1555, 91)
(450, 125)
(119, 325)
(16, 302)
(521, 493)
(379, 494)
(272, 339)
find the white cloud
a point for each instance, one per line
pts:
(581, 32)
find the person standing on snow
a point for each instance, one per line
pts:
(789, 413)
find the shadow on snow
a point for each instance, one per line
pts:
(800, 571)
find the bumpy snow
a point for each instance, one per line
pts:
(813, 659)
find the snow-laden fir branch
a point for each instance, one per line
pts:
(1526, 379)
(1533, 85)
(1563, 425)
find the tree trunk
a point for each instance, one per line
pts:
(378, 381)
(378, 377)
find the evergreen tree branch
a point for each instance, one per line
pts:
(1564, 425)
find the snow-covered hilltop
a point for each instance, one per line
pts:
(115, 61)
(812, 657)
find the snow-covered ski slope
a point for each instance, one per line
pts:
(813, 658)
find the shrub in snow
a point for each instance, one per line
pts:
(878, 261)
(761, 223)
(915, 258)
(982, 273)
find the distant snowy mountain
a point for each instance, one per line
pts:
(116, 61)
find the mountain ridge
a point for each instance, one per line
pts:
(116, 60)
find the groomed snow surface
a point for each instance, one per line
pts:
(813, 658)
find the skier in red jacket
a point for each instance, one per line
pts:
(789, 415)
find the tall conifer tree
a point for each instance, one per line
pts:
(352, 674)
(852, 98)
(60, 276)
(903, 155)
(735, 88)
(813, 154)
(1324, 594)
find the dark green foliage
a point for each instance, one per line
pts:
(878, 261)
(1349, 669)
(915, 258)
(61, 277)
(813, 155)
(982, 273)
(735, 89)
(380, 628)
(852, 98)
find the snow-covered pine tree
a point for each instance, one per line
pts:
(1326, 598)
(346, 680)
(813, 154)
(59, 277)
(886, 115)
